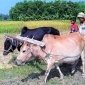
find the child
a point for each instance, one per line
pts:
(74, 26)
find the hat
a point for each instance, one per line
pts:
(81, 14)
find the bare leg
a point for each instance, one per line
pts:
(83, 74)
(83, 63)
(61, 74)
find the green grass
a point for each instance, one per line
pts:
(22, 71)
(10, 27)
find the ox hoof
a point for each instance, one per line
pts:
(43, 79)
(61, 78)
(83, 75)
(73, 71)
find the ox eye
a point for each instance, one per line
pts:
(24, 51)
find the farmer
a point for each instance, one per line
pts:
(74, 26)
(81, 17)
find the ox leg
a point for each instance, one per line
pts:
(83, 74)
(58, 68)
(73, 66)
(83, 63)
(49, 66)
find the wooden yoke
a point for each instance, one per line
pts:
(22, 39)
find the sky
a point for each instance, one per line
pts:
(5, 5)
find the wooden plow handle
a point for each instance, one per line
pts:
(22, 39)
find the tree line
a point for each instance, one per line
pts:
(42, 10)
(4, 17)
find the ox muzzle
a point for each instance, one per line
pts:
(18, 62)
(5, 53)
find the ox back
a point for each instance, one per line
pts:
(37, 33)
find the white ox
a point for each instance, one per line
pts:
(66, 48)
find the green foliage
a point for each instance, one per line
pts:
(81, 6)
(4, 17)
(41, 10)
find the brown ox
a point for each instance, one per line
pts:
(58, 49)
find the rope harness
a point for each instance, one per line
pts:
(48, 55)
(29, 52)
(10, 48)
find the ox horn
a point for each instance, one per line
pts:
(33, 37)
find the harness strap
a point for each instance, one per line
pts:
(9, 47)
(48, 55)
